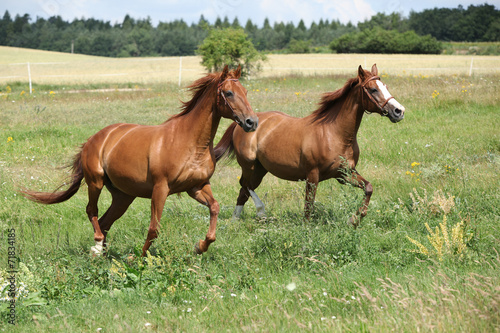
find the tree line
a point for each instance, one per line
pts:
(382, 33)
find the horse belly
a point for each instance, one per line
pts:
(287, 174)
(283, 166)
(130, 180)
(126, 164)
(191, 178)
(280, 153)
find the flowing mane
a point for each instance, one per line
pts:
(203, 86)
(325, 112)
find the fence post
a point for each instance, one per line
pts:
(29, 77)
(471, 62)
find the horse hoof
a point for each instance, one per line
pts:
(354, 221)
(97, 249)
(95, 252)
(197, 250)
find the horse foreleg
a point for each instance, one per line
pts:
(358, 181)
(160, 193)
(205, 197)
(311, 187)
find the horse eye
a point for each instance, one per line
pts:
(229, 93)
(373, 90)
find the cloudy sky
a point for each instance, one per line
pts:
(257, 10)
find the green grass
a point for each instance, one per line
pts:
(279, 273)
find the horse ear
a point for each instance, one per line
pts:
(361, 73)
(237, 72)
(224, 73)
(374, 70)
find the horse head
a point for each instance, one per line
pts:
(379, 98)
(236, 105)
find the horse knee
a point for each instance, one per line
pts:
(214, 208)
(368, 189)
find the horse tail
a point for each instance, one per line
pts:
(57, 196)
(225, 147)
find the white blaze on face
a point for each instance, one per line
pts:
(383, 89)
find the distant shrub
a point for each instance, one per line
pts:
(230, 47)
(378, 40)
(299, 46)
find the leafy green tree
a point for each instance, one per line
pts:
(456, 24)
(236, 24)
(138, 37)
(392, 21)
(378, 40)
(6, 28)
(230, 47)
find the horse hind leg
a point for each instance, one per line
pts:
(119, 205)
(259, 205)
(240, 202)
(94, 191)
(249, 182)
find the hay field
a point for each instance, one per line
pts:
(60, 68)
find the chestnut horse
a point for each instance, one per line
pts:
(157, 161)
(320, 146)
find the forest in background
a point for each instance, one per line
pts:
(139, 37)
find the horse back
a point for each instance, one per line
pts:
(289, 147)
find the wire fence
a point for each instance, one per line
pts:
(183, 70)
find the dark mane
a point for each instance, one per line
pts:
(325, 113)
(204, 86)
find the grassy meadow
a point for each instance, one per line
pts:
(425, 258)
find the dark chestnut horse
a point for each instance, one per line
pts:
(157, 161)
(320, 146)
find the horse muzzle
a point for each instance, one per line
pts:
(249, 124)
(396, 113)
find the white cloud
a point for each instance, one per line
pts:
(313, 11)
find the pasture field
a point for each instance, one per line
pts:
(59, 68)
(425, 258)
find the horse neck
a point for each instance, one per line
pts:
(201, 123)
(349, 113)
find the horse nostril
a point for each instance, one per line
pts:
(398, 112)
(249, 122)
